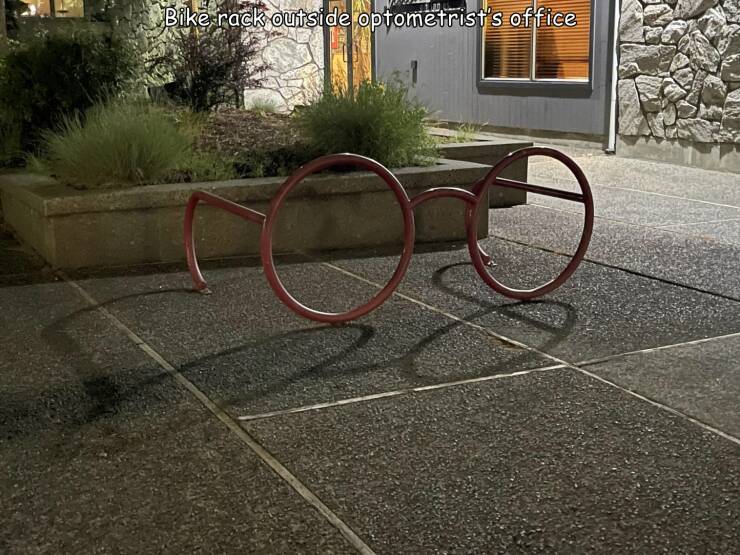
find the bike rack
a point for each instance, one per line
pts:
(472, 198)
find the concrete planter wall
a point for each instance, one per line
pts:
(484, 150)
(679, 81)
(74, 229)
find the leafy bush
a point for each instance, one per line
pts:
(117, 144)
(11, 153)
(203, 166)
(56, 76)
(276, 162)
(213, 65)
(375, 120)
(13, 9)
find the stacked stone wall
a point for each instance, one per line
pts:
(679, 70)
(142, 22)
(295, 56)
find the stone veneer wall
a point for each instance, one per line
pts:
(142, 21)
(679, 70)
(296, 58)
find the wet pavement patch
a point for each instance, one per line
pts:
(693, 261)
(600, 311)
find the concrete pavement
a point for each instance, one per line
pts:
(136, 416)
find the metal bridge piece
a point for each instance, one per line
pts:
(444, 192)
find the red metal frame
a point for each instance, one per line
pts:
(473, 199)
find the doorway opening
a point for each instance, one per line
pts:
(349, 50)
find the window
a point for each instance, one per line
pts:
(547, 53)
(54, 8)
(349, 49)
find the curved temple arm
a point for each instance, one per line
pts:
(199, 284)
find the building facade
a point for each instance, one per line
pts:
(513, 79)
(647, 78)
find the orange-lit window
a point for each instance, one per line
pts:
(54, 8)
(532, 53)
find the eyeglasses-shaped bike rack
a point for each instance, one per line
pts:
(480, 259)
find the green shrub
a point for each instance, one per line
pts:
(60, 75)
(11, 153)
(375, 120)
(276, 162)
(263, 106)
(118, 144)
(13, 9)
(466, 132)
(130, 143)
(10, 135)
(203, 166)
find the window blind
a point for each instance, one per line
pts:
(563, 52)
(560, 52)
(507, 49)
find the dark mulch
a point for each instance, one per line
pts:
(240, 133)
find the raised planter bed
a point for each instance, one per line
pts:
(74, 229)
(484, 149)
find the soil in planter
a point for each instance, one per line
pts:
(238, 133)
(261, 145)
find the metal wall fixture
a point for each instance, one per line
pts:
(480, 259)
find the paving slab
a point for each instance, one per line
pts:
(653, 177)
(641, 208)
(547, 462)
(103, 453)
(701, 380)
(245, 349)
(726, 231)
(692, 261)
(600, 311)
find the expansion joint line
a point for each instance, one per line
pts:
(625, 270)
(548, 356)
(267, 458)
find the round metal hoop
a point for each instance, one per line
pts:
(477, 255)
(266, 247)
